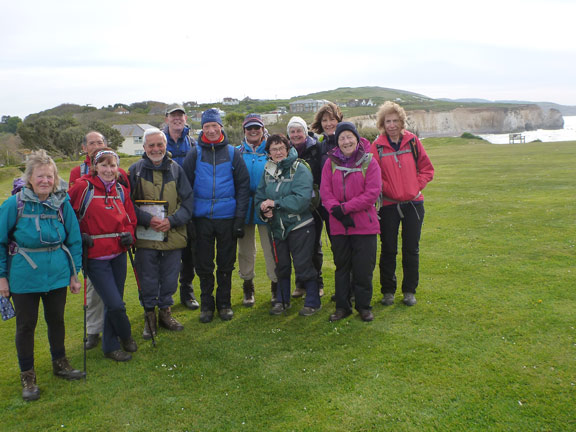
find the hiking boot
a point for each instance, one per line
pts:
(299, 291)
(118, 355)
(129, 345)
(248, 299)
(187, 297)
(366, 315)
(206, 316)
(150, 325)
(62, 369)
(308, 311)
(409, 299)
(166, 320)
(92, 341)
(225, 314)
(30, 391)
(278, 308)
(340, 314)
(388, 299)
(274, 289)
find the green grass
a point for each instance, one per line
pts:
(491, 344)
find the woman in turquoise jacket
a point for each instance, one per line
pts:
(283, 199)
(40, 254)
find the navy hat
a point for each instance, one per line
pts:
(211, 115)
(253, 119)
(346, 126)
(174, 108)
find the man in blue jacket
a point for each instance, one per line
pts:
(221, 185)
(179, 143)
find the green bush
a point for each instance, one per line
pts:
(468, 135)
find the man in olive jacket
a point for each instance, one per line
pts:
(163, 202)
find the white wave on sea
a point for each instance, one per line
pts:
(544, 135)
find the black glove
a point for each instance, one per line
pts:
(87, 241)
(126, 239)
(337, 212)
(347, 221)
(238, 230)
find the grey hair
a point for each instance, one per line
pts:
(153, 131)
(36, 159)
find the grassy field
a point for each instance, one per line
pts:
(490, 346)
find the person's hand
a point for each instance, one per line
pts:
(4, 287)
(337, 212)
(126, 239)
(348, 222)
(87, 241)
(267, 205)
(74, 284)
(164, 226)
(238, 229)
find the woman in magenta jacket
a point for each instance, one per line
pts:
(406, 170)
(349, 189)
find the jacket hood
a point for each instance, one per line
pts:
(54, 200)
(164, 166)
(204, 144)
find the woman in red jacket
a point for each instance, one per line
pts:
(406, 170)
(107, 222)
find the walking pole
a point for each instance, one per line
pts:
(146, 317)
(84, 264)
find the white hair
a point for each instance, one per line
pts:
(153, 131)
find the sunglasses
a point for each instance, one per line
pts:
(254, 127)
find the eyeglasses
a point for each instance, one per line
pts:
(254, 127)
(278, 150)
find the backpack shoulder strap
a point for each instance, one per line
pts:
(87, 196)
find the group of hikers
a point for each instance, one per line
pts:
(190, 207)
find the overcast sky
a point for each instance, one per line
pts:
(125, 51)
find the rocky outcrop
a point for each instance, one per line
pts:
(475, 120)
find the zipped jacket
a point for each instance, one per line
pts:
(106, 215)
(355, 186)
(164, 182)
(289, 184)
(179, 149)
(42, 229)
(402, 181)
(220, 180)
(255, 160)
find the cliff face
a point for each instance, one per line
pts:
(476, 120)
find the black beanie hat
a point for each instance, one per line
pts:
(346, 126)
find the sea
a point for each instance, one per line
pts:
(544, 135)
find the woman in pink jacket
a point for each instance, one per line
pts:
(349, 189)
(406, 170)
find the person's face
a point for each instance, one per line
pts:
(297, 135)
(278, 152)
(107, 170)
(42, 181)
(94, 142)
(347, 142)
(212, 131)
(176, 121)
(254, 134)
(392, 125)
(329, 124)
(155, 148)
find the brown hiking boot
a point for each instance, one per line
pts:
(248, 299)
(149, 324)
(166, 320)
(30, 391)
(61, 368)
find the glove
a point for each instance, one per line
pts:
(347, 221)
(126, 239)
(238, 230)
(87, 241)
(337, 212)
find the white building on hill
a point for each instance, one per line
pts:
(133, 134)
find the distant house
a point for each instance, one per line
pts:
(359, 103)
(307, 105)
(190, 104)
(133, 134)
(230, 101)
(121, 110)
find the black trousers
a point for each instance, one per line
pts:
(214, 239)
(187, 267)
(390, 220)
(354, 254)
(298, 248)
(26, 307)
